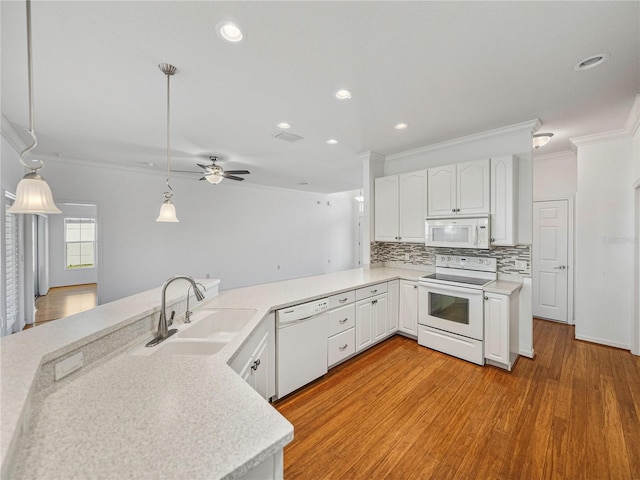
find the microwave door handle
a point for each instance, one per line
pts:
(474, 236)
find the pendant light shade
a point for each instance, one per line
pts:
(214, 178)
(167, 212)
(168, 209)
(33, 195)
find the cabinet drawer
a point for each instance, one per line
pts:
(341, 346)
(371, 290)
(341, 319)
(341, 299)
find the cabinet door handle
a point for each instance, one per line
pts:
(255, 365)
(342, 300)
(374, 302)
(342, 322)
(374, 291)
(343, 348)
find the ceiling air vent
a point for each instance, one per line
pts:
(287, 136)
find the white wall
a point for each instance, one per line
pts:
(58, 275)
(555, 176)
(605, 240)
(236, 232)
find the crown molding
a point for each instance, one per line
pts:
(630, 128)
(551, 156)
(10, 134)
(530, 126)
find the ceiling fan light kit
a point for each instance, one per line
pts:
(33, 194)
(168, 209)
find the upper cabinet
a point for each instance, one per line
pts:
(400, 207)
(459, 189)
(504, 225)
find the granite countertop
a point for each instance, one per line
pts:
(147, 417)
(503, 287)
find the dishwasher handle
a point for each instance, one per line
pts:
(287, 323)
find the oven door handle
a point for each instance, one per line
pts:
(450, 290)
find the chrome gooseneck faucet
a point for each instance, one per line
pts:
(163, 325)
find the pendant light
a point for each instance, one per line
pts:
(168, 209)
(33, 195)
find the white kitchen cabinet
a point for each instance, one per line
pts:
(408, 308)
(255, 362)
(459, 189)
(501, 343)
(393, 295)
(386, 219)
(371, 320)
(504, 178)
(400, 207)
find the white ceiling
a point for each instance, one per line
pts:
(448, 69)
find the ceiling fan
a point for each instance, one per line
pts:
(215, 173)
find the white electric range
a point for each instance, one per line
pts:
(451, 307)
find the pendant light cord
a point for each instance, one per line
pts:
(169, 193)
(31, 129)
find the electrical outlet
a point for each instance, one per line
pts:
(521, 264)
(407, 257)
(68, 366)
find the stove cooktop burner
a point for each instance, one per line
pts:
(456, 279)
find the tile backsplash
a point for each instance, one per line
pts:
(418, 254)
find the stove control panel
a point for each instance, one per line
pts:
(482, 264)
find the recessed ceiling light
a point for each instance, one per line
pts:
(342, 94)
(67, 155)
(400, 126)
(591, 62)
(541, 139)
(284, 125)
(303, 183)
(230, 32)
(332, 141)
(148, 164)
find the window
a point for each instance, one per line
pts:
(80, 242)
(13, 237)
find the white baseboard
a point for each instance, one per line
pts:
(527, 353)
(603, 341)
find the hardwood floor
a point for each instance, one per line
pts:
(61, 302)
(402, 411)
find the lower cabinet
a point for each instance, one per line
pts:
(408, 308)
(271, 468)
(393, 294)
(371, 320)
(255, 362)
(501, 344)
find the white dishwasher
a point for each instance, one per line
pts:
(301, 343)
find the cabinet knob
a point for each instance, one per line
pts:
(342, 300)
(374, 291)
(415, 286)
(493, 239)
(342, 322)
(343, 347)
(453, 210)
(255, 365)
(374, 302)
(486, 298)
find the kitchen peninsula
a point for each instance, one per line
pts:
(123, 415)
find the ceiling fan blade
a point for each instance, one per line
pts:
(203, 178)
(232, 177)
(238, 172)
(203, 166)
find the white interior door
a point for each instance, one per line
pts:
(550, 259)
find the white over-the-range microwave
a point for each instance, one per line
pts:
(458, 232)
